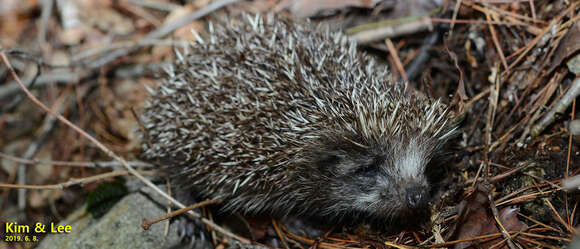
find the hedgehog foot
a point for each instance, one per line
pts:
(193, 234)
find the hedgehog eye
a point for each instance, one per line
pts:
(370, 169)
(367, 170)
(328, 160)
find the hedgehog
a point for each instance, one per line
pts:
(280, 118)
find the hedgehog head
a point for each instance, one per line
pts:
(381, 169)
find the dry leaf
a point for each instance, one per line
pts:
(479, 221)
(569, 45)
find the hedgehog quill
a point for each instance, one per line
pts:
(288, 119)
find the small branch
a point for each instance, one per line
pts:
(11, 88)
(396, 58)
(60, 77)
(455, 12)
(109, 164)
(469, 21)
(72, 182)
(496, 41)
(490, 118)
(33, 148)
(566, 174)
(504, 232)
(84, 55)
(280, 234)
(558, 217)
(390, 31)
(145, 224)
(47, 6)
(157, 5)
(18, 98)
(560, 107)
(533, 9)
(506, 13)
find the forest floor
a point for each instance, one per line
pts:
(510, 67)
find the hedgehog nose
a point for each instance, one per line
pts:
(417, 196)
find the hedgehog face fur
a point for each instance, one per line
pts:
(379, 180)
(287, 119)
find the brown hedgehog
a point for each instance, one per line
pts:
(279, 118)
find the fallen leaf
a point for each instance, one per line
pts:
(568, 46)
(475, 220)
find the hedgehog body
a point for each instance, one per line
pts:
(283, 119)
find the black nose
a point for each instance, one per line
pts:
(417, 196)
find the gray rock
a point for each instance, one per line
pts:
(119, 228)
